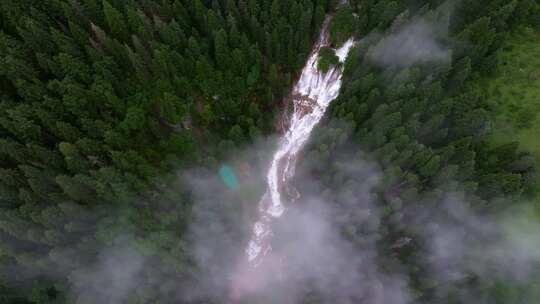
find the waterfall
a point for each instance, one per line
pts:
(311, 96)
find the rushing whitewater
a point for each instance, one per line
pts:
(311, 96)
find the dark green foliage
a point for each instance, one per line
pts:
(428, 127)
(100, 99)
(444, 118)
(343, 26)
(92, 83)
(327, 59)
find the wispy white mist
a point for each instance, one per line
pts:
(463, 243)
(328, 248)
(414, 43)
(112, 278)
(312, 255)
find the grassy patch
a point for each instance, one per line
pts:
(515, 93)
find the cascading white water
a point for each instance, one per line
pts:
(311, 96)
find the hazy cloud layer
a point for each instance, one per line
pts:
(326, 247)
(461, 242)
(111, 279)
(311, 255)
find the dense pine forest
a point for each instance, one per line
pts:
(107, 105)
(427, 123)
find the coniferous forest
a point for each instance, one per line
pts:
(107, 105)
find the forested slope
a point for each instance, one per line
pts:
(100, 100)
(88, 85)
(413, 103)
(103, 101)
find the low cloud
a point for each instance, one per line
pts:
(414, 43)
(331, 246)
(111, 279)
(313, 257)
(461, 242)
